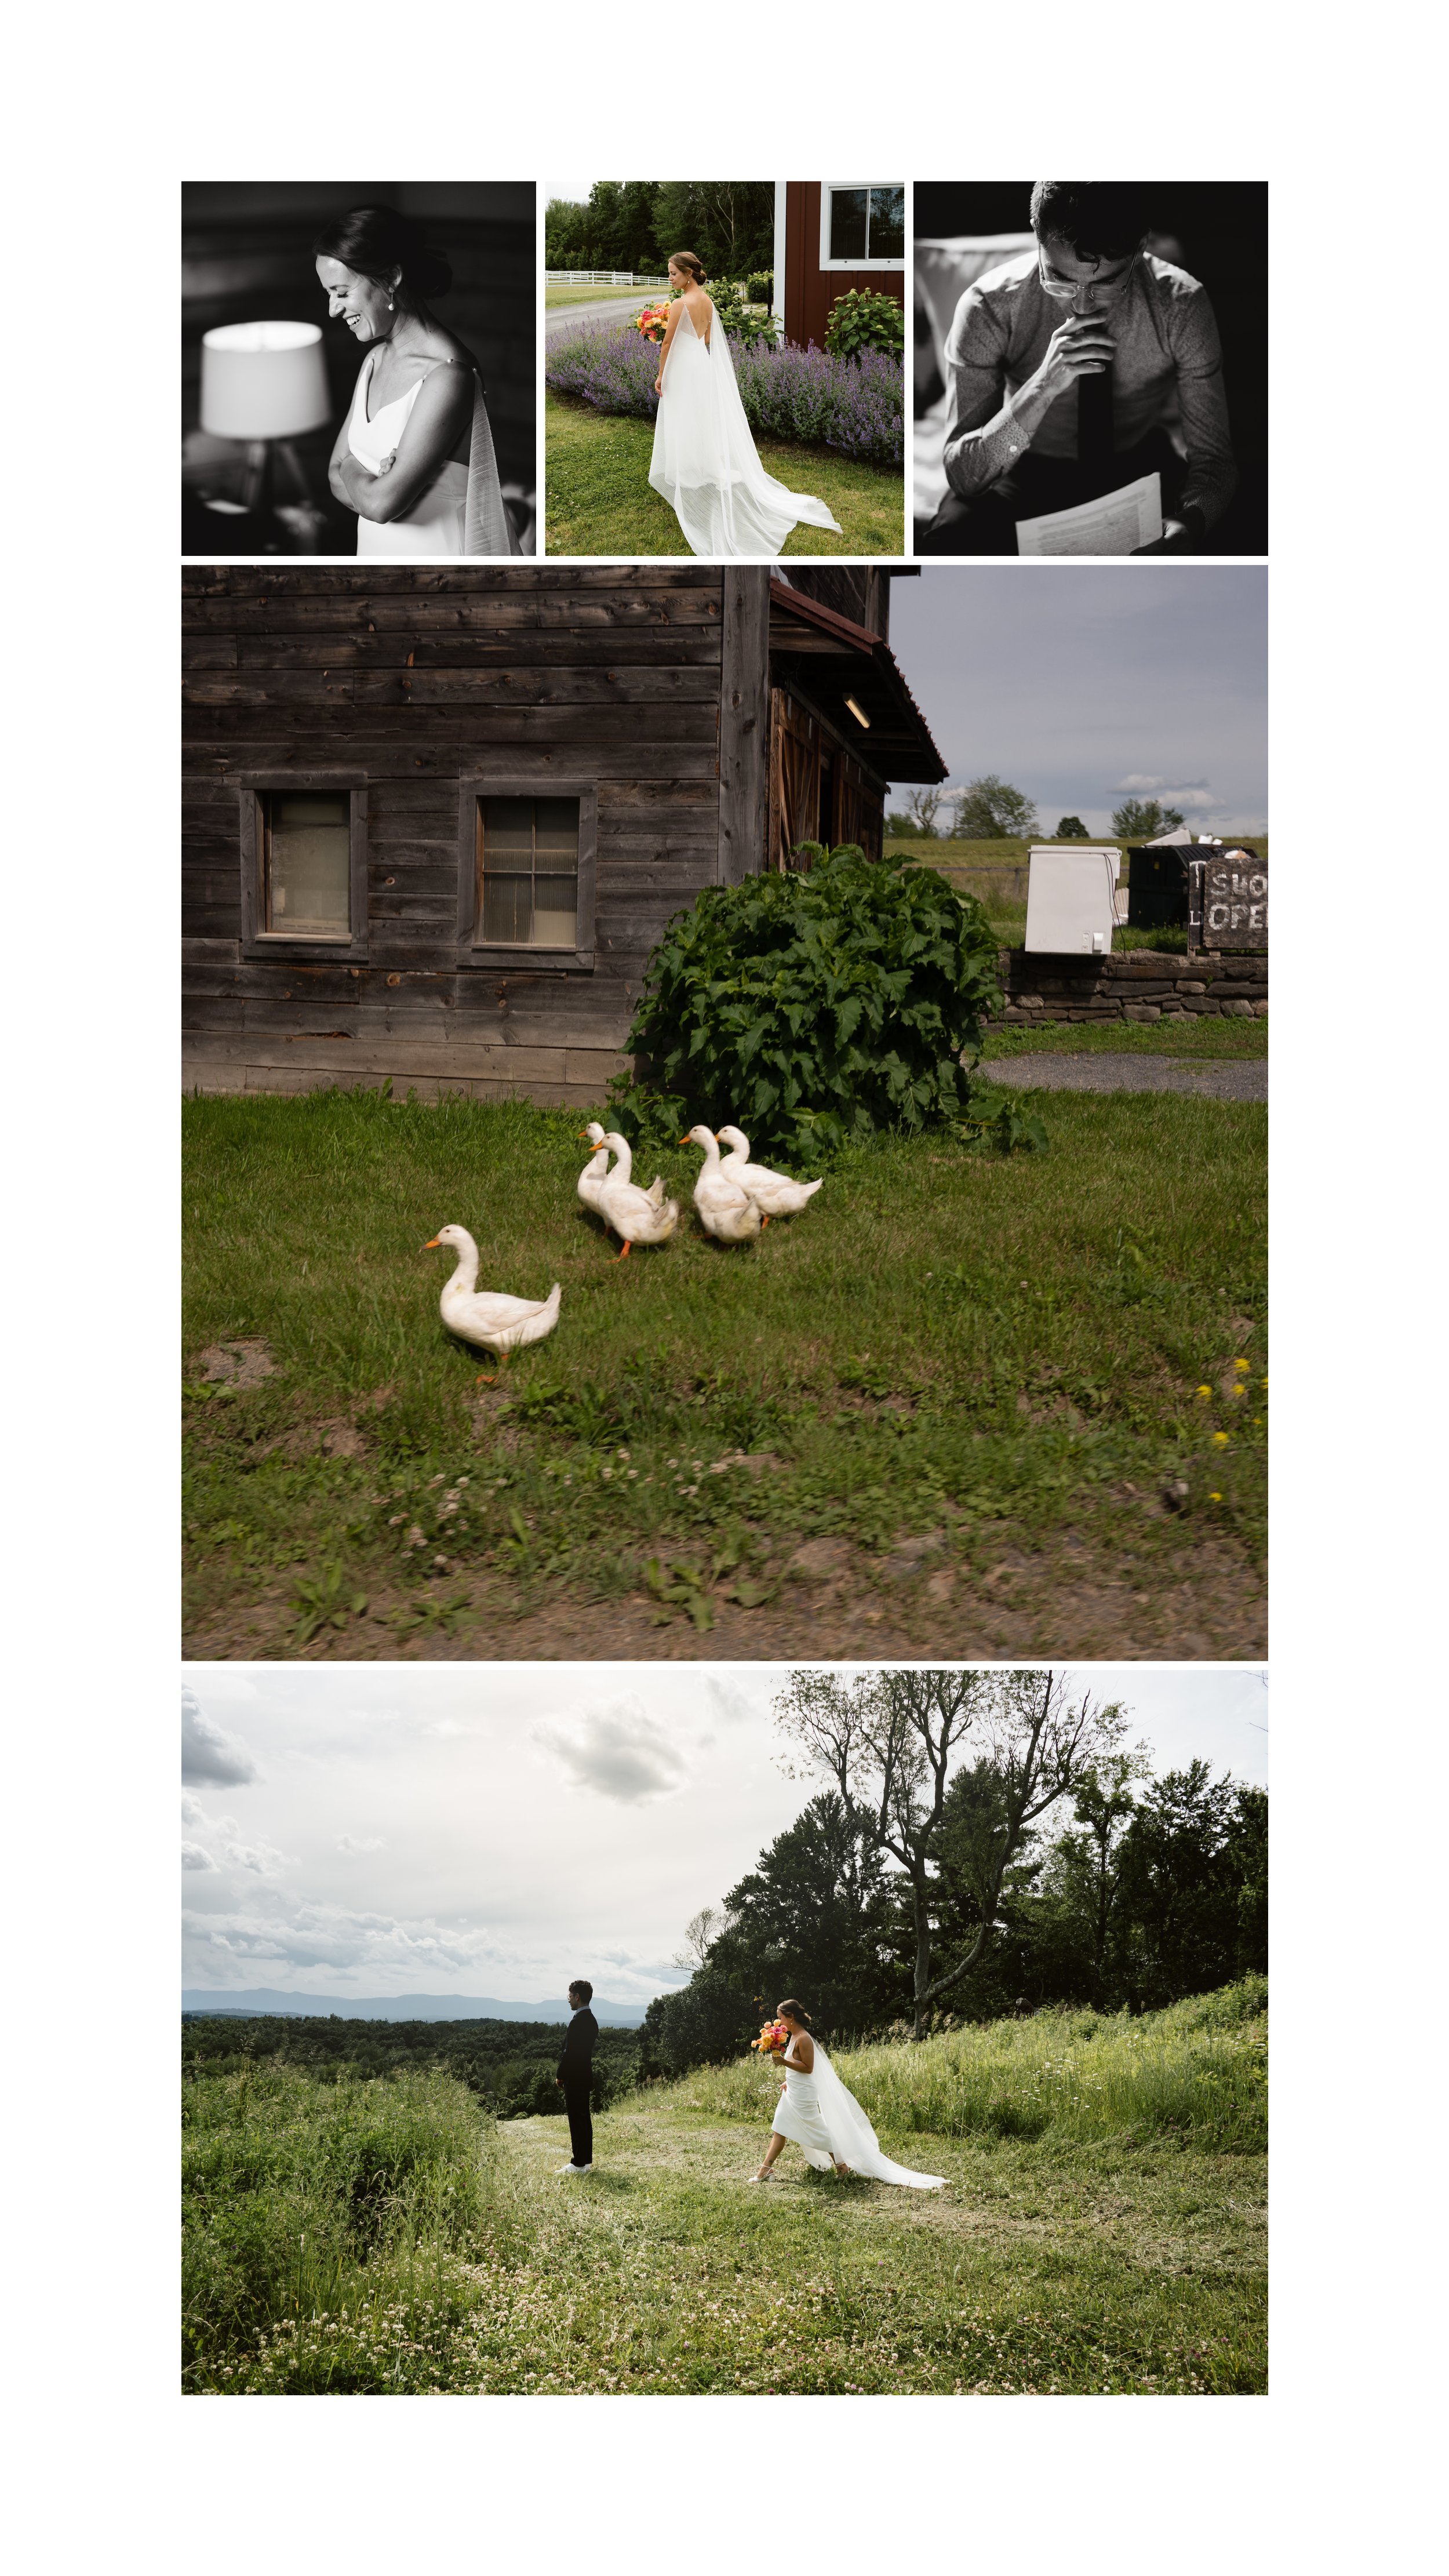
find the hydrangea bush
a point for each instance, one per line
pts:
(855, 405)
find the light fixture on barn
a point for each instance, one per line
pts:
(859, 714)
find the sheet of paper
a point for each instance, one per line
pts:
(1114, 525)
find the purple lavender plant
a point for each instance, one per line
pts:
(855, 405)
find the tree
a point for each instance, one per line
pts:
(923, 804)
(815, 1917)
(899, 826)
(1083, 1871)
(892, 1743)
(987, 809)
(728, 223)
(1071, 828)
(1192, 1906)
(699, 1932)
(1135, 821)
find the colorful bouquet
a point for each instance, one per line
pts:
(773, 2036)
(652, 320)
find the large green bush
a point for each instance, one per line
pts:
(809, 1008)
(862, 321)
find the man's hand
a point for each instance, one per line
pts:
(1179, 537)
(1080, 346)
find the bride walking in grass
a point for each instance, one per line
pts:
(823, 2116)
(705, 462)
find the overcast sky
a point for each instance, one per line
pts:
(499, 1829)
(1084, 683)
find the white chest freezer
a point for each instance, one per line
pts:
(1071, 899)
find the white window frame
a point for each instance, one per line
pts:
(827, 191)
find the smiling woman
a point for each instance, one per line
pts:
(414, 456)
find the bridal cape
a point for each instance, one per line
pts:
(825, 2120)
(705, 464)
(461, 512)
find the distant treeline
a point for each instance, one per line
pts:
(636, 224)
(508, 2064)
(1156, 1890)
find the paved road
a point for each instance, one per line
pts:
(622, 307)
(1243, 1078)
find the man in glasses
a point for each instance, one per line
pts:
(1069, 366)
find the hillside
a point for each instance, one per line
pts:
(1101, 2229)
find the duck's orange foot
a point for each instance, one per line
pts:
(624, 1255)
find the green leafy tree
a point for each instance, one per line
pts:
(1072, 828)
(1192, 1901)
(900, 827)
(1136, 821)
(814, 1917)
(810, 1007)
(728, 223)
(989, 810)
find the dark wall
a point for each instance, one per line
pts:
(1218, 231)
(247, 256)
(409, 677)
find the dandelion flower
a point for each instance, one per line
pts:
(1241, 1366)
(1205, 1394)
(1215, 1498)
(1220, 1439)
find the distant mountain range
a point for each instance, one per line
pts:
(266, 1999)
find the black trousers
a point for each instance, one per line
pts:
(986, 524)
(581, 2122)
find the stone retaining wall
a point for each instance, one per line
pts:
(1142, 985)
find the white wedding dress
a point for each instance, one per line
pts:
(825, 2120)
(705, 463)
(461, 512)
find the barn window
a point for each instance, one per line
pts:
(527, 857)
(862, 224)
(306, 865)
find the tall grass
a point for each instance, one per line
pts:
(1198, 2070)
(323, 2230)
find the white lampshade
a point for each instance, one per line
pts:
(263, 380)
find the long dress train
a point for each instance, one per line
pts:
(705, 463)
(825, 2120)
(461, 512)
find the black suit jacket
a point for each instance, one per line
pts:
(582, 2038)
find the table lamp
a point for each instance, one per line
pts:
(266, 383)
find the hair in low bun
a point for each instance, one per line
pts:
(796, 2011)
(691, 266)
(376, 241)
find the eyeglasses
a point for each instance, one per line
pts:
(1083, 292)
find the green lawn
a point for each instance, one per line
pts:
(640, 295)
(950, 1409)
(1200, 1041)
(388, 2237)
(598, 500)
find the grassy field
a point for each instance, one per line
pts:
(955, 1408)
(1101, 2229)
(598, 500)
(981, 868)
(640, 295)
(1205, 1040)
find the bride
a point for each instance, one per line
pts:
(823, 2117)
(704, 463)
(414, 457)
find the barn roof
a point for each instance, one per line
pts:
(841, 661)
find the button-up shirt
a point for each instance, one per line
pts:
(1168, 368)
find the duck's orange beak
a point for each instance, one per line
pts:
(432, 1244)
(686, 1140)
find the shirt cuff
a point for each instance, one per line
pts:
(979, 457)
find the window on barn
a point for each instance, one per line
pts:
(527, 872)
(862, 225)
(306, 864)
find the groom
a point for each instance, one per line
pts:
(575, 2075)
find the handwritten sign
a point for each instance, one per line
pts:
(1233, 900)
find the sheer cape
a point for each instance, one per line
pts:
(705, 463)
(851, 2136)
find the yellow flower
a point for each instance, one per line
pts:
(1262, 1381)
(1205, 1394)
(1215, 1498)
(1220, 1439)
(1242, 1365)
(1237, 1391)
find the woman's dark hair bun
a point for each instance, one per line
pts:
(692, 267)
(796, 2011)
(374, 241)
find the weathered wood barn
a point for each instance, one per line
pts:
(435, 818)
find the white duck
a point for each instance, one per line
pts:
(725, 1210)
(635, 1215)
(500, 1324)
(772, 1192)
(591, 1178)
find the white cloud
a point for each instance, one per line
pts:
(330, 1936)
(259, 1858)
(1137, 785)
(194, 1857)
(618, 1752)
(207, 1751)
(360, 1843)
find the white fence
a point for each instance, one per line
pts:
(598, 277)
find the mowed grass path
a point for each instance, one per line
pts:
(598, 499)
(948, 1398)
(1088, 2264)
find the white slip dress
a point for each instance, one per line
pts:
(460, 513)
(705, 463)
(825, 2120)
